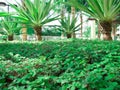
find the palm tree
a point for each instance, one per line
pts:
(10, 27)
(73, 10)
(68, 25)
(105, 11)
(36, 14)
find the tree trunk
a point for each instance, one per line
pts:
(38, 32)
(24, 33)
(24, 29)
(81, 20)
(69, 35)
(73, 16)
(107, 28)
(10, 37)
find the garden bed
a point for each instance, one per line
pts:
(62, 65)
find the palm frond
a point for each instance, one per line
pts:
(68, 24)
(9, 25)
(36, 12)
(102, 10)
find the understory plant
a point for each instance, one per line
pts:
(68, 25)
(10, 26)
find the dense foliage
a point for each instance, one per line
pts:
(61, 65)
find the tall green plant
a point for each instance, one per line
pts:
(10, 27)
(68, 25)
(105, 11)
(36, 14)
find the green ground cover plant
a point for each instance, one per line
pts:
(62, 65)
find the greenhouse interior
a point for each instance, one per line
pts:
(59, 44)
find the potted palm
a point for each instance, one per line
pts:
(104, 11)
(36, 14)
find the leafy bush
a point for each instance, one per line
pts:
(62, 65)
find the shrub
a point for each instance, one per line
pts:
(62, 65)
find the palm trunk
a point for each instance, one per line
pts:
(81, 20)
(73, 16)
(24, 34)
(24, 29)
(107, 28)
(10, 37)
(69, 35)
(38, 32)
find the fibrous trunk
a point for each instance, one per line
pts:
(24, 33)
(73, 16)
(69, 35)
(81, 20)
(24, 30)
(107, 28)
(10, 37)
(38, 32)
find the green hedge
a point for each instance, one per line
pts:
(60, 65)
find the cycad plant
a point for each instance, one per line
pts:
(9, 27)
(105, 11)
(68, 25)
(36, 13)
